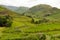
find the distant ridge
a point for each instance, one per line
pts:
(17, 9)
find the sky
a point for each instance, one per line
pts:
(30, 3)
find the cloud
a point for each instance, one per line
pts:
(30, 3)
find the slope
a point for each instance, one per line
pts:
(23, 29)
(16, 9)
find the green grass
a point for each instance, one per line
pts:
(22, 27)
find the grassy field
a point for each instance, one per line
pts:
(23, 29)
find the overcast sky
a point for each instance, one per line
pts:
(30, 3)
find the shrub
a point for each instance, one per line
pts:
(5, 21)
(32, 21)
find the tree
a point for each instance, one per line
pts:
(5, 21)
(32, 21)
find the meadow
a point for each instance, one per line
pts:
(36, 24)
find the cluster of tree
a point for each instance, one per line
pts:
(39, 21)
(5, 21)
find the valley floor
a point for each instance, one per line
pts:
(23, 29)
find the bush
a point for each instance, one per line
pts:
(44, 20)
(32, 21)
(5, 21)
(35, 22)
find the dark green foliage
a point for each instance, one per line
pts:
(29, 16)
(43, 37)
(5, 21)
(2, 21)
(32, 21)
(47, 15)
(44, 20)
(35, 22)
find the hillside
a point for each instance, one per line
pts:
(43, 10)
(10, 7)
(30, 25)
(22, 9)
(19, 10)
(4, 10)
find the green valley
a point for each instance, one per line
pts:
(41, 22)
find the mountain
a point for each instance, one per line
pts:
(22, 9)
(17, 9)
(11, 7)
(42, 11)
(22, 25)
(4, 10)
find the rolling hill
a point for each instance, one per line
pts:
(23, 29)
(22, 9)
(11, 7)
(19, 10)
(42, 10)
(4, 10)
